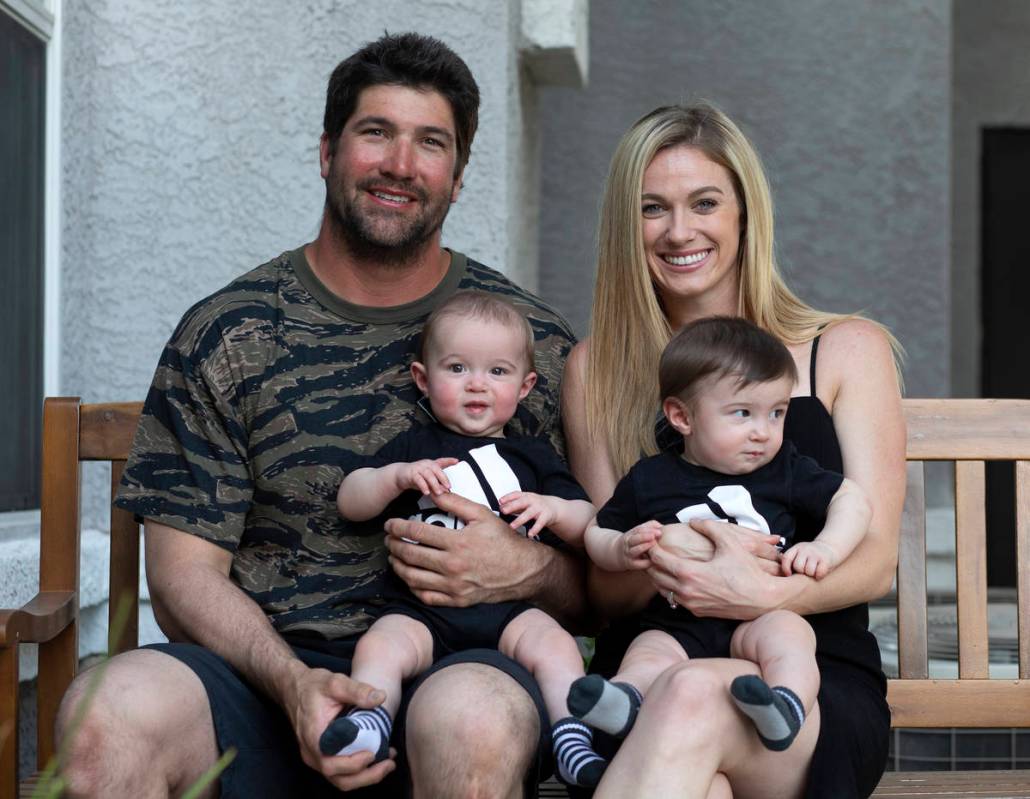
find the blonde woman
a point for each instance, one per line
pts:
(686, 232)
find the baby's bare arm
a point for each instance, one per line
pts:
(365, 493)
(847, 520)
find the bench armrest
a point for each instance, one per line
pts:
(38, 620)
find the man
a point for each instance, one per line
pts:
(268, 391)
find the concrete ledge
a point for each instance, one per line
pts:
(555, 41)
(19, 565)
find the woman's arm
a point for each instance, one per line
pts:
(858, 383)
(612, 593)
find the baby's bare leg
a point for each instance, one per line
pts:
(539, 643)
(394, 649)
(783, 646)
(612, 706)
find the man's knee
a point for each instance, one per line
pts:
(474, 727)
(137, 718)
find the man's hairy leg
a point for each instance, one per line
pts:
(147, 731)
(471, 731)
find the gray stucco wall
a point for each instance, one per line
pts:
(190, 154)
(992, 89)
(848, 104)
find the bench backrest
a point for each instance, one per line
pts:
(73, 433)
(967, 432)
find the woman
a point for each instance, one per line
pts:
(686, 232)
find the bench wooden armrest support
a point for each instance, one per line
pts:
(967, 432)
(39, 620)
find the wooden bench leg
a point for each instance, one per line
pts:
(8, 722)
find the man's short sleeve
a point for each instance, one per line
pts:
(188, 466)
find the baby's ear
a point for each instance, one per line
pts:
(420, 376)
(527, 385)
(678, 414)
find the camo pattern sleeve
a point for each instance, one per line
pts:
(267, 394)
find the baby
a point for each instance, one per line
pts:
(726, 386)
(475, 365)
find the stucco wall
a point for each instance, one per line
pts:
(848, 104)
(991, 62)
(190, 152)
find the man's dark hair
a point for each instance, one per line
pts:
(405, 59)
(721, 346)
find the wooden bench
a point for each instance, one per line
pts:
(968, 432)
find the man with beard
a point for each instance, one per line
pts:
(268, 392)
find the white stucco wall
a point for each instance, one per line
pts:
(190, 149)
(848, 104)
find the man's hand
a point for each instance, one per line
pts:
(312, 701)
(542, 509)
(813, 558)
(426, 476)
(480, 563)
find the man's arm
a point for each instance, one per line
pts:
(486, 561)
(194, 600)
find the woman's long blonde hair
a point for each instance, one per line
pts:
(628, 328)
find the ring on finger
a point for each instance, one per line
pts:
(672, 600)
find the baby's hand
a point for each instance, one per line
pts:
(813, 558)
(426, 476)
(542, 509)
(637, 542)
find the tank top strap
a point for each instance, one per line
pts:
(811, 366)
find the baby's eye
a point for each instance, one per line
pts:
(499, 371)
(456, 368)
(741, 413)
(779, 413)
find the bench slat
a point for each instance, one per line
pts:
(911, 584)
(107, 430)
(980, 429)
(1023, 564)
(919, 784)
(971, 569)
(959, 703)
(124, 577)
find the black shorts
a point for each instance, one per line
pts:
(459, 629)
(268, 762)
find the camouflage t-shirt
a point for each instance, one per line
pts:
(267, 393)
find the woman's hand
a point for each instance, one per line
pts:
(736, 581)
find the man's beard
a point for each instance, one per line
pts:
(379, 235)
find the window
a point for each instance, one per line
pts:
(25, 29)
